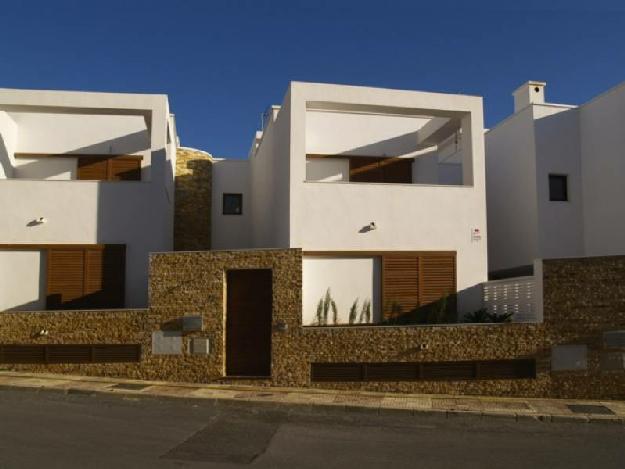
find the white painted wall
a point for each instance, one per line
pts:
(332, 133)
(560, 224)
(270, 183)
(137, 214)
(88, 212)
(8, 142)
(289, 211)
(22, 280)
(511, 192)
(603, 167)
(80, 133)
(407, 217)
(583, 143)
(450, 174)
(425, 168)
(348, 279)
(46, 168)
(325, 217)
(327, 169)
(231, 231)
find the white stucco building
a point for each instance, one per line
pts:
(554, 177)
(382, 189)
(86, 192)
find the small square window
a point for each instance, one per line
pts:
(233, 204)
(558, 188)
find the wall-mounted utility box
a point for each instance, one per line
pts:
(166, 343)
(614, 339)
(199, 346)
(192, 323)
(569, 357)
(614, 361)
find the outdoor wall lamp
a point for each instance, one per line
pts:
(368, 227)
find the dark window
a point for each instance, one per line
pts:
(233, 204)
(558, 190)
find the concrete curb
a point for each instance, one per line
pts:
(274, 399)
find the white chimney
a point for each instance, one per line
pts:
(532, 92)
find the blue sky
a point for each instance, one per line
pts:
(222, 63)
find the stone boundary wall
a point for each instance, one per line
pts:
(583, 298)
(194, 283)
(444, 343)
(122, 326)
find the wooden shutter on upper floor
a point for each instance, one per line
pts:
(125, 168)
(377, 169)
(364, 169)
(92, 168)
(109, 168)
(86, 277)
(397, 170)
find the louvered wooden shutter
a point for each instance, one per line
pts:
(364, 169)
(397, 171)
(92, 168)
(109, 168)
(410, 281)
(125, 168)
(65, 277)
(86, 277)
(105, 276)
(437, 277)
(375, 169)
(400, 284)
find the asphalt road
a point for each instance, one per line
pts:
(54, 430)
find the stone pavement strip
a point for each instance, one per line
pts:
(546, 410)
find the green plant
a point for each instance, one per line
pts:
(326, 303)
(483, 316)
(480, 315)
(365, 312)
(438, 312)
(353, 312)
(505, 317)
(335, 312)
(320, 312)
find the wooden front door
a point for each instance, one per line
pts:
(248, 322)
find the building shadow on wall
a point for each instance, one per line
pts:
(5, 162)
(441, 311)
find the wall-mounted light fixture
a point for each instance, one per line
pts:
(368, 227)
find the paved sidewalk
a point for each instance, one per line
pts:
(546, 410)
